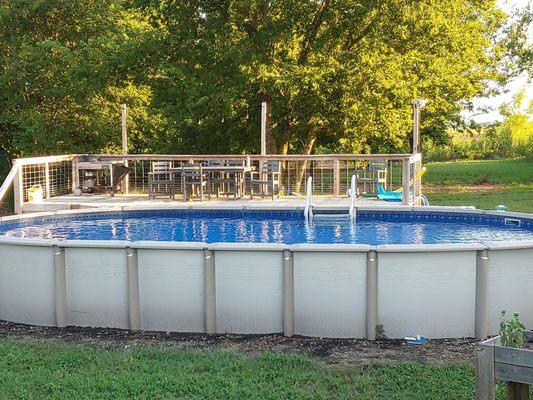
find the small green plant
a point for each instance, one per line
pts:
(380, 332)
(512, 331)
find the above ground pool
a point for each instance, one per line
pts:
(429, 271)
(288, 227)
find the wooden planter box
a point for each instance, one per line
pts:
(498, 362)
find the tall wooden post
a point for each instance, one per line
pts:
(416, 126)
(126, 181)
(264, 118)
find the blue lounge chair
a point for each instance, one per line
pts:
(388, 196)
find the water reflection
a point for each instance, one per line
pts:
(274, 230)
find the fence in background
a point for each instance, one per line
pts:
(331, 173)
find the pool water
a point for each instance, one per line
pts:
(272, 227)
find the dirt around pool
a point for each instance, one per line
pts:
(349, 351)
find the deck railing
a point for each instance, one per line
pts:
(57, 175)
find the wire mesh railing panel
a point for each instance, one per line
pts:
(33, 176)
(294, 174)
(323, 177)
(60, 178)
(141, 169)
(53, 178)
(331, 174)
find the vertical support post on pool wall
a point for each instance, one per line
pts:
(60, 283)
(134, 306)
(210, 292)
(288, 293)
(371, 294)
(482, 270)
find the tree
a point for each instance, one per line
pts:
(66, 66)
(515, 134)
(339, 73)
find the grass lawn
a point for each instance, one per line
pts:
(513, 171)
(483, 184)
(46, 369)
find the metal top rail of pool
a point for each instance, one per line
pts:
(57, 175)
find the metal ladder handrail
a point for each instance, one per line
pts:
(353, 196)
(308, 211)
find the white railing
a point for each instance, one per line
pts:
(308, 211)
(331, 173)
(353, 196)
(8, 181)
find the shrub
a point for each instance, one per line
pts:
(512, 331)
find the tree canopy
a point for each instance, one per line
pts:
(340, 75)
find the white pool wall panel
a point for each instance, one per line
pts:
(329, 294)
(249, 291)
(427, 293)
(422, 289)
(27, 284)
(171, 290)
(510, 286)
(97, 287)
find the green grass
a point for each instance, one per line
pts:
(44, 369)
(514, 171)
(517, 198)
(483, 184)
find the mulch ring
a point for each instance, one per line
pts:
(350, 351)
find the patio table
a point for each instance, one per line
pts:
(238, 171)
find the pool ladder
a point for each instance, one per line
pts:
(308, 210)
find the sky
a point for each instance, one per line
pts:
(512, 88)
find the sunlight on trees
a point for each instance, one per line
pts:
(340, 74)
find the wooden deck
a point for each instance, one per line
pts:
(71, 202)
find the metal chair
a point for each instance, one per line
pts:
(161, 180)
(268, 177)
(193, 176)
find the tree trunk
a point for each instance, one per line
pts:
(270, 141)
(302, 166)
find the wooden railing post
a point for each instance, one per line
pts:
(405, 182)
(336, 177)
(75, 178)
(47, 179)
(124, 128)
(517, 391)
(485, 389)
(18, 191)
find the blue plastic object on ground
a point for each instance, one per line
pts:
(416, 340)
(388, 196)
